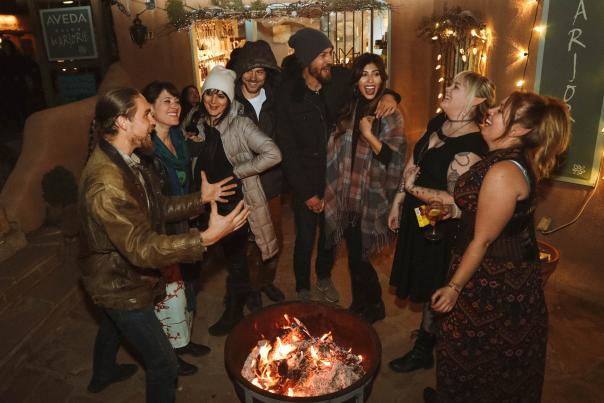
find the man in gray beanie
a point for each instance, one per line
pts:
(307, 107)
(257, 78)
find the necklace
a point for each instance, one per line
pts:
(460, 120)
(456, 130)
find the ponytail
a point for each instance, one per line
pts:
(548, 119)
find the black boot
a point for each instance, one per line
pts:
(184, 368)
(420, 355)
(429, 395)
(254, 301)
(232, 314)
(373, 312)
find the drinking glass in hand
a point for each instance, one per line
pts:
(435, 211)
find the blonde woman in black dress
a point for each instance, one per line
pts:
(450, 146)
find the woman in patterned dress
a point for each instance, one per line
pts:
(491, 345)
(451, 145)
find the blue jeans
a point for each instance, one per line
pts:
(143, 331)
(306, 229)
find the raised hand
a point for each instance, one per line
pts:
(394, 217)
(220, 226)
(215, 192)
(386, 106)
(315, 204)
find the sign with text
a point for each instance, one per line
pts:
(571, 67)
(68, 33)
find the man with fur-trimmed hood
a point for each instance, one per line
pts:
(257, 78)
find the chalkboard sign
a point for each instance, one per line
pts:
(571, 67)
(68, 33)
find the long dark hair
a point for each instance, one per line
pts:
(201, 112)
(366, 108)
(184, 101)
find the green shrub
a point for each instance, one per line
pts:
(59, 187)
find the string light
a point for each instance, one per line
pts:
(524, 54)
(438, 66)
(440, 80)
(440, 95)
(439, 57)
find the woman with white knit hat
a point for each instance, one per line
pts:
(229, 145)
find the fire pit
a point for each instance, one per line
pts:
(346, 329)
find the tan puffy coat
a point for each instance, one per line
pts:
(251, 152)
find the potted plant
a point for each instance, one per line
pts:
(60, 191)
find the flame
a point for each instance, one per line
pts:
(277, 366)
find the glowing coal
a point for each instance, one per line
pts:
(299, 364)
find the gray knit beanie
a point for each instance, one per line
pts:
(308, 43)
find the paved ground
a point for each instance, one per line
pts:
(61, 366)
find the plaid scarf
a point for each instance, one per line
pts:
(366, 192)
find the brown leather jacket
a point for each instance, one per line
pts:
(122, 243)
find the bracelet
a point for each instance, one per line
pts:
(401, 187)
(456, 287)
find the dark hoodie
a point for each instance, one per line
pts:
(259, 55)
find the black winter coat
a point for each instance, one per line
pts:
(272, 180)
(303, 127)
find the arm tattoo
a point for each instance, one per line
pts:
(462, 159)
(452, 178)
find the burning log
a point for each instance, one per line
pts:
(298, 364)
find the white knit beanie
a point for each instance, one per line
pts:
(220, 79)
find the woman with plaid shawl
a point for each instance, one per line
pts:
(365, 160)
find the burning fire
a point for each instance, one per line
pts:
(298, 364)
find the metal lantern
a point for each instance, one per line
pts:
(138, 32)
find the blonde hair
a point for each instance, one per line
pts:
(478, 86)
(548, 120)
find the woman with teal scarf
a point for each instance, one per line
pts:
(171, 162)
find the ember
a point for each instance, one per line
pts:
(299, 364)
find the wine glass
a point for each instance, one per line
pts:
(435, 211)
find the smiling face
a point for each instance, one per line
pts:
(495, 127)
(455, 101)
(141, 125)
(370, 82)
(215, 102)
(320, 67)
(166, 109)
(252, 81)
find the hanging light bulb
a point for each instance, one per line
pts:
(439, 57)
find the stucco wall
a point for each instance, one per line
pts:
(54, 136)
(165, 57)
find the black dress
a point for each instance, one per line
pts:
(491, 347)
(420, 265)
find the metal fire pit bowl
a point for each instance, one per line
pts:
(347, 329)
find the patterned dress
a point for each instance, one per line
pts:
(491, 346)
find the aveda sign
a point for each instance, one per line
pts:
(68, 33)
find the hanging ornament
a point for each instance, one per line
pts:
(138, 32)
